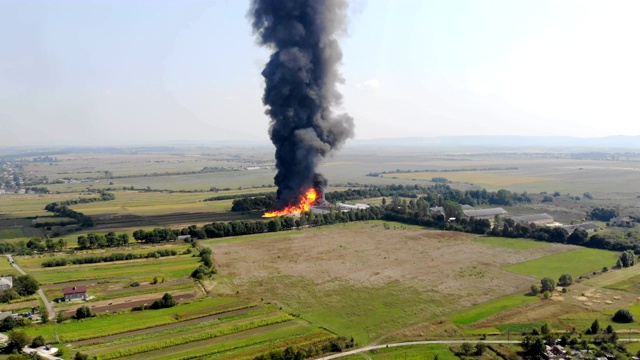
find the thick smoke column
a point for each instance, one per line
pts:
(301, 78)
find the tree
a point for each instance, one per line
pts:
(18, 339)
(609, 329)
(466, 348)
(623, 316)
(595, 327)
(26, 285)
(547, 284)
(83, 312)
(38, 341)
(452, 209)
(80, 356)
(544, 329)
(9, 295)
(8, 323)
(565, 280)
(535, 289)
(627, 258)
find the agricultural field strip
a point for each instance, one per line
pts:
(193, 335)
(119, 340)
(35, 262)
(222, 347)
(167, 266)
(123, 294)
(515, 244)
(576, 262)
(251, 352)
(613, 277)
(495, 177)
(126, 322)
(490, 308)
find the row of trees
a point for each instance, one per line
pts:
(98, 241)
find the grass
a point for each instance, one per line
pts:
(194, 335)
(412, 352)
(525, 327)
(154, 203)
(124, 322)
(6, 234)
(583, 320)
(6, 268)
(515, 244)
(576, 262)
(491, 178)
(34, 262)
(364, 313)
(490, 308)
(614, 278)
(228, 346)
(167, 267)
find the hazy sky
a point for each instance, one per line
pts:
(126, 71)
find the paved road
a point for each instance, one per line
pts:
(47, 304)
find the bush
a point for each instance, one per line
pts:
(623, 316)
(547, 284)
(38, 341)
(134, 284)
(84, 312)
(9, 295)
(565, 280)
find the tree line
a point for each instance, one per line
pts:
(434, 195)
(99, 241)
(62, 208)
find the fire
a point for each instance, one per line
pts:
(303, 205)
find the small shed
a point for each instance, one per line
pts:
(6, 283)
(76, 292)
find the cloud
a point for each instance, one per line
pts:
(372, 84)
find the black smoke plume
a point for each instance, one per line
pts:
(300, 92)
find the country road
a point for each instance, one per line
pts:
(374, 347)
(47, 304)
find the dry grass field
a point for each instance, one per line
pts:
(362, 280)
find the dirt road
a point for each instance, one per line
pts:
(47, 304)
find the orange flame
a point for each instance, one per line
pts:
(303, 205)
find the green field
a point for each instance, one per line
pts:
(143, 269)
(576, 262)
(515, 244)
(11, 233)
(105, 325)
(413, 352)
(490, 308)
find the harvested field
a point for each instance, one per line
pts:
(362, 280)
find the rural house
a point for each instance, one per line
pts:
(621, 221)
(6, 283)
(587, 226)
(76, 292)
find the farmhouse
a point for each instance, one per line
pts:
(76, 292)
(622, 221)
(485, 213)
(538, 219)
(587, 226)
(6, 283)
